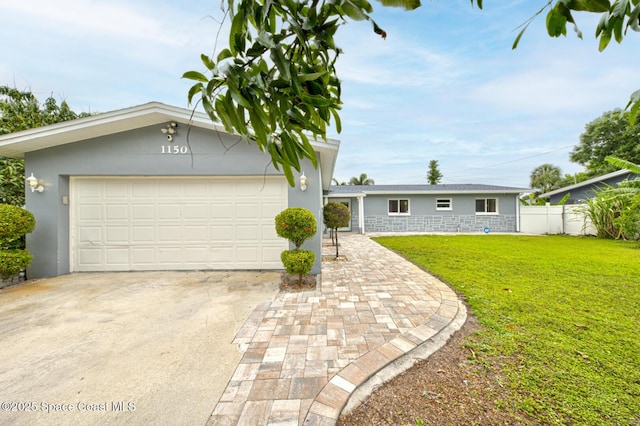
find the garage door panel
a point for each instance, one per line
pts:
(247, 254)
(143, 212)
(89, 234)
(118, 257)
(170, 234)
(168, 211)
(144, 234)
(90, 212)
(143, 256)
(195, 212)
(222, 233)
(91, 257)
(141, 189)
(181, 223)
(222, 210)
(246, 233)
(117, 235)
(197, 256)
(247, 210)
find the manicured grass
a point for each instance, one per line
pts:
(561, 314)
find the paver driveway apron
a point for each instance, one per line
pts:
(123, 348)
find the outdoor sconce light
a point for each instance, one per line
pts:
(303, 182)
(34, 184)
(170, 130)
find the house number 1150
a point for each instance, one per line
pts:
(174, 149)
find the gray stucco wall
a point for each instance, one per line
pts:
(139, 153)
(424, 217)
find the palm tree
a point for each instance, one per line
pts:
(362, 180)
(545, 178)
(336, 182)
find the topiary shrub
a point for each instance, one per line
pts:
(15, 222)
(12, 262)
(298, 262)
(296, 224)
(335, 215)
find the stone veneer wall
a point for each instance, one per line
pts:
(436, 223)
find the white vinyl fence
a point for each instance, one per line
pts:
(554, 220)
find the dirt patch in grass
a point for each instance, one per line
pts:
(451, 387)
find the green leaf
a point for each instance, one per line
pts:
(634, 19)
(224, 54)
(237, 34)
(556, 22)
(517, 40)
(194, 90)
(353, 11)
(195, 75)
(207, 62)
(405, 4)
(597, 6)
(620, 8)
(265, 40)
(281, 63)
(208, 108)
(605, 38)
(634, 103)
(310, 76)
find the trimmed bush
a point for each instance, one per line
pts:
(335, 215)
(298, 262)
(12, 262)
(15, 222)
(296, 224)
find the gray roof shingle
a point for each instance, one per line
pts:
(424, 189)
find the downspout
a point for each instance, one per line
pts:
(361, 213)
(518, 213)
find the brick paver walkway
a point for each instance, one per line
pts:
(305, 353)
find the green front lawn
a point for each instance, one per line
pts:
(562, 314)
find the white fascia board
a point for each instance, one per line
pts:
(347, 195)
(328, 152)
(16, 144)
(584, 183)
(460, 192)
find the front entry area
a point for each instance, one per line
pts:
(175, 223)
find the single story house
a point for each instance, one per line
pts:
(430, 208)
(587, 189)
(156, 187)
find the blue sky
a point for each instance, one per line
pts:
(444, 85)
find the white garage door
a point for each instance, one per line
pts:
(175, 223)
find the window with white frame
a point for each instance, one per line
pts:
(399, 206)
(443, 204)
(487, 206)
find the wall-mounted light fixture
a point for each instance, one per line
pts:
(34, 184)
(170, 130)
(303, 182)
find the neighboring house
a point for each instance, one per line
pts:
(583, 190)
(430, 208)
(155, 187)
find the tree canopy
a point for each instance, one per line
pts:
(545, 178)
(434, 176)
(21, 110)
(363, 179)
(608, 135)
(276, 84)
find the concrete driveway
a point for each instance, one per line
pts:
(123, 348)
